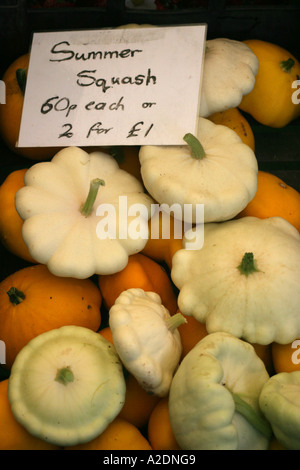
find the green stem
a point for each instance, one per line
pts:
(195, 146)
(64, 376)
(259, 423)
(15, 295)
(287, 65)
(89, 203)
(248, 264)
(21, 75)
(175, 321)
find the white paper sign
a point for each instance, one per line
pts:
(131, 86)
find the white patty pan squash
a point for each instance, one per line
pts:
(213, 400)
(67, 225)
(146, 338)
(67, 385)
(279, 401)
(229, 72)
(215, 168)
(245, 280)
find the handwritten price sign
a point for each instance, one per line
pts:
(131, 86)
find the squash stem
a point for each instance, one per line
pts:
(175, 321)
(195, 146)
(15, 295)
(64, 376)
(89, 203)
(287, 65)
(21, 76)
(248, 264)
(258, 422)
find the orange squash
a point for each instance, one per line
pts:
(11, 113)
(119, 435)
(271, 102)
(10, 221)
(286, 357)
(32, 301)
(160, 433)
(12, 435)
(275, 445)
(235, 120)
(138, 404)
(274, 198)
(144, 273)
(160, 247)
(191, 333)
(106, 332)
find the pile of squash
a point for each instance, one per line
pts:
(143, 343)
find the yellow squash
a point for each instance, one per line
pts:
(236, 121)
(11, 113)
(274, 100)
